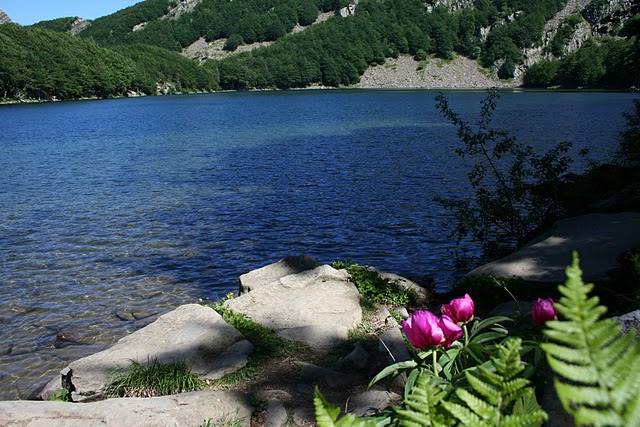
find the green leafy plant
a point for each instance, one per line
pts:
(476, 348)
(629, 149)
(514, 189)
(499, 396)
(327, 415)
(595, 365)
(375, 288)
(61, 396)
(154, 379)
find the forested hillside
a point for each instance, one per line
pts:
(138, 49)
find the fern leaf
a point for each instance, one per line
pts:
(486, 390)
(327, 415)
(591, 358)
(465, 415)
(533, 419)
(498, 397)
(477, 405)
(422, 404)
(513, 387)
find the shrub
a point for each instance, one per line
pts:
(629, 149)
(514, 189)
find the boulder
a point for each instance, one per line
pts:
(316, 307)
(599, 239)
(187, 409)
(192, 333)
(272, 272)
(424, 296)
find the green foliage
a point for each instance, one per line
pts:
(594, 363)
(153, 379)
(629, 148)
(564, 34)
(61, 25)
(499, 397)
(267, 345)
(155, 66)
(327, 415)
(423, 405)
(450, 364)
(373, 287)
(542, 74)
(514, 189)
(233, 42)
(609, 63)
(42, 64)
(61, 396)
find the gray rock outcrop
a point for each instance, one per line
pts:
(316, 307)
(272, 272)
(4, 18)
(192, 333)
(599, 239)
(188, 409)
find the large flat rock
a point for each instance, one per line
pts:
(272, 272)
(598, 238)
(316, 307)
(188, 409)
(191, 333)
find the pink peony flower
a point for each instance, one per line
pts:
(543, 310)
(450, 330)
(460, 310)
(422, 329)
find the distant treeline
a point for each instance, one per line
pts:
(42, 64)
(109, 58)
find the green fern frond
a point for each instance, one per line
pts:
(499, 398)
(465, 415)
(327, 415)
(423, 404)
(594, 363)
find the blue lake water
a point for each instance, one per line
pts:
(148, 203)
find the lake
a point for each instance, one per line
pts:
(139, 205)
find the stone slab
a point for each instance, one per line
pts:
(599, 239)
(191, 333)
(188, 409)
(272, 272)
(317, 307)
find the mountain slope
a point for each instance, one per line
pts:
(266, 44)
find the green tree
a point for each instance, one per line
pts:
(233, 42)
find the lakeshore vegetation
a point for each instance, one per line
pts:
(138, 50)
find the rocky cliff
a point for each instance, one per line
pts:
(4, 18)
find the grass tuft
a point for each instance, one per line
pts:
(153, 379)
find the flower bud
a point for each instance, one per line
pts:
(543, 310)
(460, 310)
(422, 329)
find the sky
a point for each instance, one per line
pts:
(27, 12)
